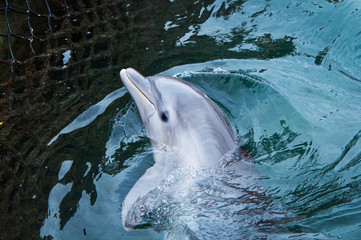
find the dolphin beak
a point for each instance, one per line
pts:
(139, 88)
(137, 85)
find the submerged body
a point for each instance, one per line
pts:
(186, 129)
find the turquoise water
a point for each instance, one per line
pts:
(299, 116)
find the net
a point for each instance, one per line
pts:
(23, 25)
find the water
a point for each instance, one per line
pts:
(298, 113)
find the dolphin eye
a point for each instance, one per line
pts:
(164, 116)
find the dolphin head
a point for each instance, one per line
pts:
(178, 115)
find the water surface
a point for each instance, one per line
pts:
(287, 74)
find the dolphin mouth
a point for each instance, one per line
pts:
(136, 84)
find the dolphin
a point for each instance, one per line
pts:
(185, 127)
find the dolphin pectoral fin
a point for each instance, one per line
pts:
(150, 179)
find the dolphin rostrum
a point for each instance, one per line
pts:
(186, 129)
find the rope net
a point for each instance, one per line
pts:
(23, 26)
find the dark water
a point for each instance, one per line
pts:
(287, 74)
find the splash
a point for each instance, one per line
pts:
(228, 201)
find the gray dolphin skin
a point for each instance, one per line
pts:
(186, 129)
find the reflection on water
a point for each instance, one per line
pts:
(294, 100)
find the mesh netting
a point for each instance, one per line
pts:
(23, 24)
